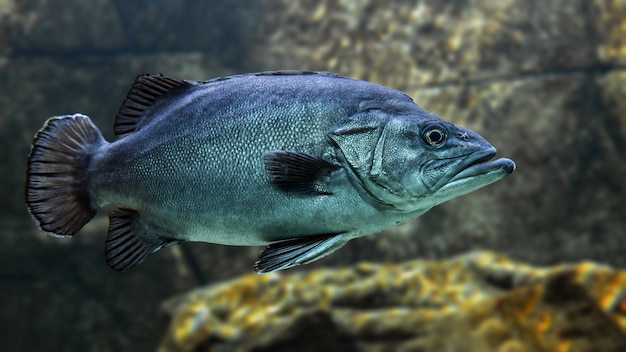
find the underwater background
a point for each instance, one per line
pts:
(543, 80)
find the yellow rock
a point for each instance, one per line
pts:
(476, 302)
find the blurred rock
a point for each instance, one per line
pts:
(38, 28)
(610, 29)
(63, 297)
(220, 28)
(409, 44)
(41, 27)
(476, 302)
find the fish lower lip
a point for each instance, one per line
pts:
(480, 164)
(475, 164)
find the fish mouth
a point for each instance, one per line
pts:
(476, 164)
(480, 163)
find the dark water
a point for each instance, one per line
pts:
(543, 82)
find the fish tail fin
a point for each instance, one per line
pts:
(57, 193)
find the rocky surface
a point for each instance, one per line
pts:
(542, 80)
(476, 302)
(412, 44)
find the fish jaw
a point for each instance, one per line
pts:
(476, 171)
(454, 166)
(501, 166)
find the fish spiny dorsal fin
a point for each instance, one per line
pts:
(146, 90)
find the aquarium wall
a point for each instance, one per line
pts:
(543, 81)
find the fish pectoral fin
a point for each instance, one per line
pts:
(285, 254)
(292, 171)
(129, 242)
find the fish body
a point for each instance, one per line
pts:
(299, 161)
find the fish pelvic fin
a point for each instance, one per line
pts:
(289, 253)
(145, 92)
(57, 192)
(130, 241)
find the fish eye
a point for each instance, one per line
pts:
(434, 136)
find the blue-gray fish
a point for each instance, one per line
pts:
(301, 162)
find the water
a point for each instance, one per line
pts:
(543, 82)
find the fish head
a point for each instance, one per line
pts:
(413, 161)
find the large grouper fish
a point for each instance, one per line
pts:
(301, 162)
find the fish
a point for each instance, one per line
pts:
(300, 162)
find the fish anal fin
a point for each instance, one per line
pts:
(129, 242)
(292, 171)
(145, 91)
(289, 253)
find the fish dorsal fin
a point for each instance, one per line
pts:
(303, 250)
(146, 90)
(129, 242)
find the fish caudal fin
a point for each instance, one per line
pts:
(57, 194)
